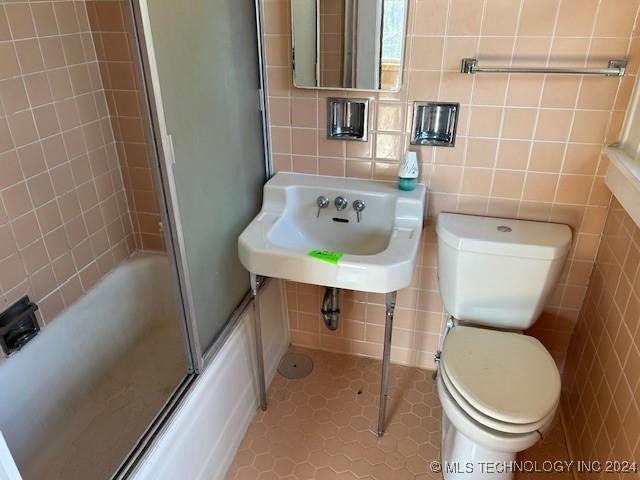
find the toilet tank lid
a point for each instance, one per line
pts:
(504, 236)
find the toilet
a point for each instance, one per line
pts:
(498, 387)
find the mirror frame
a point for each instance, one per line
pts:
(343, 89)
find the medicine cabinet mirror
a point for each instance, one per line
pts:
(348, 44)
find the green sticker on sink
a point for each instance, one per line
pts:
(326, 256)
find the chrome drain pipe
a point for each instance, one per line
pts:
(331, 308)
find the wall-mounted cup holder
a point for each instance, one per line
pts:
(347, 118)
(434, 124)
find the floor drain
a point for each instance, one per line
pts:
(295, 365)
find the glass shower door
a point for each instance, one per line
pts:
(204, 57)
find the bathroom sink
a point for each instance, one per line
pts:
(289, 239)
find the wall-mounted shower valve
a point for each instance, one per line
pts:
(321, 202)
(340, 203)
(358, 206)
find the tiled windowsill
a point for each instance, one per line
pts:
(623, 179)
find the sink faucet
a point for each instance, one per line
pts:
(340, 203)
(358, 206)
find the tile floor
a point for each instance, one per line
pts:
(321, 427)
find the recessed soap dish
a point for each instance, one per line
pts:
(347, 118)
(434, 124)
(18, 325)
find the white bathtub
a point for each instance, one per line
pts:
(78, 358)
(200, 442)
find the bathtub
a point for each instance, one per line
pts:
(55, 394)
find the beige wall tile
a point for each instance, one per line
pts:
(20, 20)
(554, 125)
(524, 90)
(538, 17)
(430, 17)
(616, 18)
(507, 184)
(481, 152)
(5, 32)
(304, 141)
(589, 126)
(485, 122)
(9, 66)
(518, 123)
(500, 17)
(489, 90)
(547, 157)
(574, 189)
(576, 18)
(513, 154)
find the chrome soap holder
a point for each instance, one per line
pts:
(434, 124)
(347, 118)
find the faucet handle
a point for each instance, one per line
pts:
(340, 203)
(321, 202)
(358, 206)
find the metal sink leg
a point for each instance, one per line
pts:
(390, 300)
(262, 387)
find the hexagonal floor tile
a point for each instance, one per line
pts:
(322, 426)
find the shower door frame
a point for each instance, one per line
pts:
(153, 115)
(164, 159)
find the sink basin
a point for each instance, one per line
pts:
(376, 254)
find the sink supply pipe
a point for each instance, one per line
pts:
(331, 308)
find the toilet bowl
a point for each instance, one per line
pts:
(499, 388)
(499, 393)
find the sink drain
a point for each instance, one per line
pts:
(295, 365)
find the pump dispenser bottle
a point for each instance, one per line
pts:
(408, 172)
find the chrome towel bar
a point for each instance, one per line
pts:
(616, 68)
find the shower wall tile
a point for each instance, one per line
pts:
(528, 146)
(602, 376)
(119, 68)
(64, 219)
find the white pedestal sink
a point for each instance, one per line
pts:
(374, 250)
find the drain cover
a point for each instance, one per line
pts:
(295, 365)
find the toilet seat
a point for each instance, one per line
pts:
(506, 427)
(480, 435)
(507, 381)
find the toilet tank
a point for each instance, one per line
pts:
(498, 272)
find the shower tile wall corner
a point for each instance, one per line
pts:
(528, 147)
(65, 220)
(119, 67)
(601, 381)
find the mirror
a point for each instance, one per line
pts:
(348, 44)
